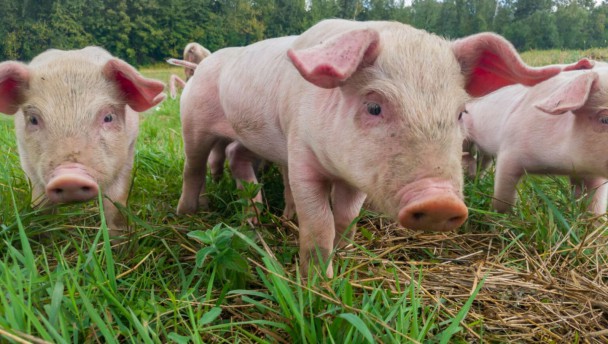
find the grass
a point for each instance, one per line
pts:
(539, 274)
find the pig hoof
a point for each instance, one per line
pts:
(185, 209)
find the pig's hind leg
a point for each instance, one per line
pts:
(197, 148)
(217, 159)
(241, 162)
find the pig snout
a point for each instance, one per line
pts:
(430, 205)
(71, 183)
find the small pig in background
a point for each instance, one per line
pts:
(348, 109)
(76, 121)
(559, 126)
(193, 53)
(475, 160)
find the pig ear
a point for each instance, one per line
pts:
(583, 63)
(571, 96)
(14, 79)
(490, 62)
(332, 62)
(139, 92)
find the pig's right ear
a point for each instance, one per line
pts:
(583, 63)
(14, 79)
(570, 96)
(140, 93)
(332, 62)
(489, 62)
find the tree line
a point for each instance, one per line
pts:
(148, 31)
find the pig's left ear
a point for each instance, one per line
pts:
(332, 62)
(570, 96)
(490, 62)
(139, 92)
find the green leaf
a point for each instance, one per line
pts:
(357, 323)
(202, 254)
(210, 316)
(178, 338)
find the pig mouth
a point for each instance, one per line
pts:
(431, 205)
(71, 183)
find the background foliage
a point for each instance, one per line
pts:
(147, 31)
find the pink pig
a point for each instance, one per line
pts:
(194, 53)
(348, 109)
(556, 127)
(76, 122)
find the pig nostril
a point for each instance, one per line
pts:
(418, 215)
(455, 219)
(86, 189)
(58, 191)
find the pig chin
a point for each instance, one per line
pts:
(71, 183)
(431, 205)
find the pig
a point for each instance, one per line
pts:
(194, 53)
(348, 110)
(76, 122)
(556, 127)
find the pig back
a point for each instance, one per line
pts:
(259, 91)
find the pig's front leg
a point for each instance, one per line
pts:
(347, 202)
(117, 223)
(197, 149)
(598, 190)
(311, 193)
(39, 198)
(117, 193)
(508, 173)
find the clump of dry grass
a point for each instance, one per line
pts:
(557, 296)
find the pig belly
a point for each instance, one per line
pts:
(269, 144)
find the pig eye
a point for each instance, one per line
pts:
(33, 120)
(604, 119)
(374, 109)
(108, 118)
(461, 113)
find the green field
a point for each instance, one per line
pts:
(538, 275)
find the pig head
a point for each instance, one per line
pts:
(556, 127)
(195, 53)
(76, 123)
(371, 108)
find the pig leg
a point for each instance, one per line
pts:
(483, 161)
(289, 212)
(119, 193)
(507, 176)
(311, 193)
(241, 161)
(468, 158)
(217, 158)
(197, 149)
(347, 203)
(38, 196)
(598, 188)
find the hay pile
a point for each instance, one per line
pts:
(558, 296)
